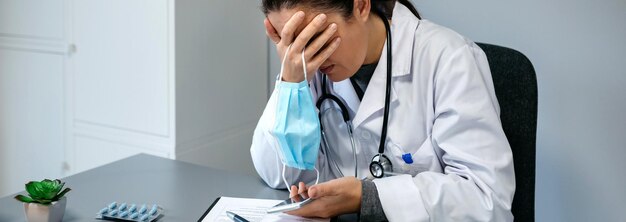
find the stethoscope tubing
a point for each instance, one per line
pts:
(344, 111)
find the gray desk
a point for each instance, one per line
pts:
(184, 190)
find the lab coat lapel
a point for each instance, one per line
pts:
(403, 27)
(374, 97)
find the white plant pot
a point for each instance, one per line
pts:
(45, 213)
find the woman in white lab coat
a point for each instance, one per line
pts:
(443, 114)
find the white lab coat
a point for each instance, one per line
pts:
(443, 111)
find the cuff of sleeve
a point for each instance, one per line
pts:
(371, 208)
(401, 199)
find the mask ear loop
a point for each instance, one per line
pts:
(282, 66)
(317, 180)
(285, 180)
(304, 66)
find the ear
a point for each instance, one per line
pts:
(361, 10)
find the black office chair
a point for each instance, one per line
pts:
(516, 88)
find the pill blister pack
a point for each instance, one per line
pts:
(130, 212)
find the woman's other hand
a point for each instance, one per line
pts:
(332, 198)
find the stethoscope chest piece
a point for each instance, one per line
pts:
(379, 165)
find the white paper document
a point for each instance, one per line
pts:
(253, 210)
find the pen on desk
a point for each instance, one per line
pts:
(235, 217)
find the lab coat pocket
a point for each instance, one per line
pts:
(421, 160)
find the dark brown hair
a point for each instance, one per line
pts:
(343, 6)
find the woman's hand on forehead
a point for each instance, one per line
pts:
(299, 37)
(278, 21)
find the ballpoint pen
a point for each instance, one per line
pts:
(235, 217)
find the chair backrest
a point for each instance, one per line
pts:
(516, 88)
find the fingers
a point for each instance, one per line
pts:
(318, 208)
(316, 37)
(308, 32)
(287, 34)
(332, 187)
(299, 193)
(320, 41)
(309, 210)
(325, 53)
(301, 187)
(293, 192)
(302, 190)
(270, 31)
(332, 198)
(318, 191)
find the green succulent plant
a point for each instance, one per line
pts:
(43, 192)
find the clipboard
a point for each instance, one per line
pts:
(209, 210)
(250, 208)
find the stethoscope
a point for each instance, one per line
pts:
(380, 165)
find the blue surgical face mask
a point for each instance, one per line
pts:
(296, 127)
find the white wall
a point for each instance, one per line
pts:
(221, 58)
(578, 48)
(31, 124)
(173, 78)
(119, 83)
(31, 96)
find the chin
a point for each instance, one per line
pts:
(337, 78)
